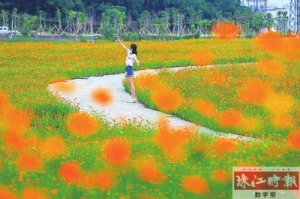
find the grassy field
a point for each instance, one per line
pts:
(46, 153)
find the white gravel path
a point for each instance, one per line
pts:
(120, 109)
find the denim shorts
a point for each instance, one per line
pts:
(129, 71)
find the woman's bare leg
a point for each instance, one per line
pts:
(132, 88)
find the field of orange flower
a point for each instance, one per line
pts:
(46, 153)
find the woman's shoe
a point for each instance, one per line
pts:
(132, 101)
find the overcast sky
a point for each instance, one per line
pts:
(279, 3)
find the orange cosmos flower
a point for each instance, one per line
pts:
(82, 124)
(230, 118)
(255, 91)
(195, 184)
(221, 176)
(145, 81)
(70, 172)
(65, 87)
(283, 122)
(167, 99)
(17, 119)
(6, 194)
(226, 30)
(172, 140)
(205, 108)
(29, 162)
(250, 124)
(15, 140)
(224, 145)
(117, 151)
(88, 180)
(279, 104)
(202, 58)
(270, 41)
(149, 172)
(33, 193)
(270, 67)
(53, 147)
(293, 140)
(104, 180)
(102, 96)
(291, 51)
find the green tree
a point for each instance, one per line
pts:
(81, 19)
(269, 21)
(26, 24)
(285, 20)
(112, 22)
(41, 15)
(4, 18)
(237, 16)
(58, 16)
(219, 15)
(71, 18)
(204, 26)
(63, 5)
(258, 22)
(161, 25)
(281, 20)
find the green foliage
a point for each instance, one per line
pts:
(258, 21)
(58, 14)
(25, 30)
(84, 39)
(109, 17)
(269, 21)
(192, 9)
(65, 35)
(281, 22)
(132, 36)
(71, 14)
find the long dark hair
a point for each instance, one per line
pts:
(134, 48)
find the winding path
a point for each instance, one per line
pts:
(120, 110)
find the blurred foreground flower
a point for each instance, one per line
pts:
(117, 151)
(102, 96)
(167, 99)
(70, 173)
(226, 30)
(149, 172)
(65, 87)
(172, 140)
(195, 184)
(5, 193)
(82, 124)
(293, 140)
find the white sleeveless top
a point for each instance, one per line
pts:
(130, 58)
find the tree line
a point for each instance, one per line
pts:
(157, 17)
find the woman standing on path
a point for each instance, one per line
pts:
(131, 57)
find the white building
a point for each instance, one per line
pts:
(275, 10)
(4, 30)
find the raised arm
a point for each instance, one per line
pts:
(123, 45)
